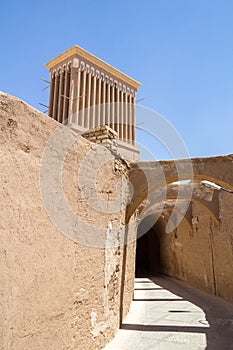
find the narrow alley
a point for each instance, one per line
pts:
(167, 314)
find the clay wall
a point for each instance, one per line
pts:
(55, 292)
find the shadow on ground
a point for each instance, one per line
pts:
(217, 325)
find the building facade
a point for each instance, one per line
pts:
(86, 92)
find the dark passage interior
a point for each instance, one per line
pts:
(148, 254)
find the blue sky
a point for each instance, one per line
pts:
(180, 50)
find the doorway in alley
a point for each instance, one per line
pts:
(147, 251)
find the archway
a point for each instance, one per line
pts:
(148, 249)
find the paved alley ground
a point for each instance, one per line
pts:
(167, 314)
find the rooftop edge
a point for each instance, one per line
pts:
(95, 60)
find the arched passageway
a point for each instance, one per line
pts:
(148, 249)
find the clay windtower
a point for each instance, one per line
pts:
(86, 92)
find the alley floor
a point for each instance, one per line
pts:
(167, 314)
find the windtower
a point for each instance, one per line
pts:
(86, 92)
